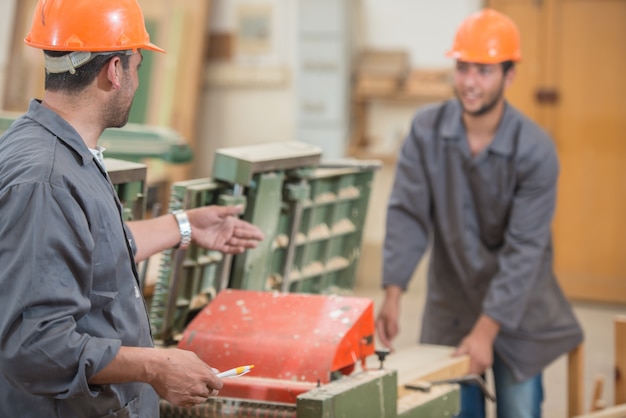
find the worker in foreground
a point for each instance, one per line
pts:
(476, 181)
(74, 328)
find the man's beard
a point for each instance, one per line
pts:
(116, 115)
(484, 109)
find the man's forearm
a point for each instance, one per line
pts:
(154, 235)
(179, 376)
(131, 364)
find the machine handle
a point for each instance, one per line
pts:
(547, 95)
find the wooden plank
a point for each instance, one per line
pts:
(424, 362)
(381, 71)
(384, 63)
(430, 82)
(189, 76)
(409, 403)
(8, 10)
(575, 381)
(176, 81)
(597, 403)
(25, 69)
(444, 369)
(612, 412)
(620, 359)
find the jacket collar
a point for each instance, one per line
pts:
(452, 128)
(60, 128)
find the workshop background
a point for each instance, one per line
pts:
(347, 75)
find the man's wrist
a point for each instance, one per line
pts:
(184, 227)
(487, 326)
(393, 292)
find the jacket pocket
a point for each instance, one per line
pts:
(130, 410)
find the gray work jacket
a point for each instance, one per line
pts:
(488, 219)
(70, 295)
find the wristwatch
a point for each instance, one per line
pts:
(184, 227)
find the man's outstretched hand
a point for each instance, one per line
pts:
(219, 228)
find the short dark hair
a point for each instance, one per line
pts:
(84, 75)
(507, 65)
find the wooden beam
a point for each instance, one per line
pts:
(597, 402)
(612, 412)
(575, 381)
(620, 360)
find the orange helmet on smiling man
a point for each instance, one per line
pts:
(87, 28)
(486, 37)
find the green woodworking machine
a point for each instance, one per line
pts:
(312, 215)
(285, 306)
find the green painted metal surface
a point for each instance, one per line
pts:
(331, 229)
(445, 404)
(137, 142)
(264, 206)
(371, 394)
(186, 279)
(139, 109)
(134, 142)
(129, 182)
(239, 165)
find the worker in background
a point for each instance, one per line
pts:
(74, 327)
(476, 182)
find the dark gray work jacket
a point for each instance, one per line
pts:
(70, 295)
(488, 219)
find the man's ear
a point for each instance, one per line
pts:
(510, 76)
(113, 71)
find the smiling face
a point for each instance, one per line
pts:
(480, 87)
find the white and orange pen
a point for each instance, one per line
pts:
(237, 371)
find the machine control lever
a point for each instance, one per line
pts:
(381, 354)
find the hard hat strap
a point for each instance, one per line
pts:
(70, 62)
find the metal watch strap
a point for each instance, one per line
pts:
(184, 227)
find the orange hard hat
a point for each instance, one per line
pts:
(486, 37)
(89, 25)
